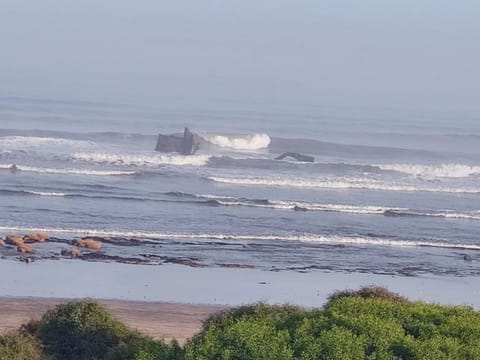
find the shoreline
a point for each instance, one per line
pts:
(171, 283)
(171, 301)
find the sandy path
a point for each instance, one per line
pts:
(159, 320)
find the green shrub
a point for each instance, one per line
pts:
(371, 323)
(145, 348)
(80, 330)
(368, 292)
(17, 346)
(85, 330)
(249, 332)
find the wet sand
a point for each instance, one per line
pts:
(159, 320)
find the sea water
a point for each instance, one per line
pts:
(387, 194)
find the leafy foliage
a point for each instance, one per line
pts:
(369, 324)
(85, 330)
(17, 346)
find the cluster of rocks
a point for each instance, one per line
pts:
(87, 248)
(24, 245)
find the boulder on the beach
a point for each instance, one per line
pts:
(35, 237)
(25, 248)
(14, 240)
(87, 243)
(72, 252)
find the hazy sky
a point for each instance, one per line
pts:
(405, 54)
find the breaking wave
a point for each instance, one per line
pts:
(141, 159)
(341, 183)
(313, 238)
(434, 171)
(239, 142)
(35, 142)
(47, 194)
(341, 208)
(41, 170)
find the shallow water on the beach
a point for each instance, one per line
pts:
(384, 196)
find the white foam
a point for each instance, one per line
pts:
(316, 238)
(341, 183)
(66, 171)
(34, 142)
(434, 171)
(291, 205)
(451, 215)
(239, 142)
(341, 208)
(141, 159)
(48, 194)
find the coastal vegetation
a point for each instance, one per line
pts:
(371, 323)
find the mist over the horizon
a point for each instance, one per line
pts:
(405, 55)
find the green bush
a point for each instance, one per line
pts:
(17, 346)
(371, 323)
(85, 330)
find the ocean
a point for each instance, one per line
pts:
(387, 194)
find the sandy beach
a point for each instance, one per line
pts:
(170, 301)
(159, 320)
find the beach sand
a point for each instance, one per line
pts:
(170, 301)
(159, 320)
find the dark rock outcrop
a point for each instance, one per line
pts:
(296, 156)
(186, 145)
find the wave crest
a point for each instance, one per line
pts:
(68, 171)
(26, 142)
(434, 171)
(239, 142)
(141, 159)
(316, 238)
(341, 183)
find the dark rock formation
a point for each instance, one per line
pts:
(186, 145)
(296, 156)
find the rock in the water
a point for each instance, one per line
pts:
(73, 252)
(87, 243)
(2, 242)
(35, 237)
(14, 240)
(296, 156)
(25, 248)
(299, 208)
(186, 145)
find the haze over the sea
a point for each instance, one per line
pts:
(417, 57)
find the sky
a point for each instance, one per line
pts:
(415, 55)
